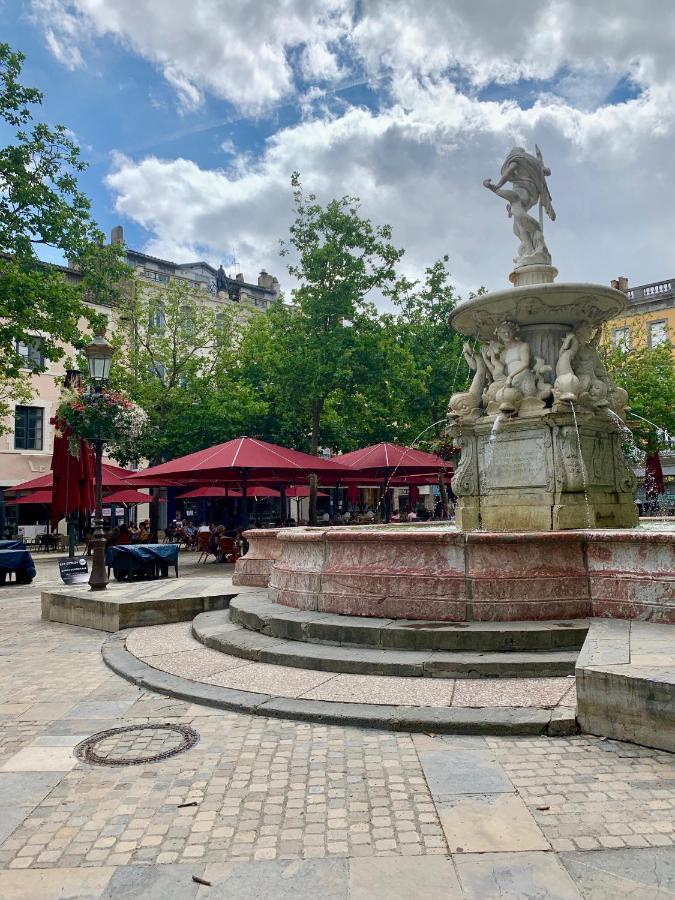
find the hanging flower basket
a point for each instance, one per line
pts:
(108, 415)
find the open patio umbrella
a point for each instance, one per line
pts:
(241, 460)
(35, 497)
(387, 461)
(199, 493)
(127, 496)
(113, 477)
(301, 490)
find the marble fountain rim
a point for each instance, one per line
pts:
(448, 535)
(463, 316)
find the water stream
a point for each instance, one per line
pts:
(584, 474)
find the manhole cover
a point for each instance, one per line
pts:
(136, 744)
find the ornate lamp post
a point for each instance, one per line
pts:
(99, 355)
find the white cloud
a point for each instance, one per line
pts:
(236, 51)
(418, 161)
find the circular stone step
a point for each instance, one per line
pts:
(256, 613)
(216, 630)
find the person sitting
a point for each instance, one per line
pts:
(190, 535)
(134, 532)
(144, 532)
(123, 536)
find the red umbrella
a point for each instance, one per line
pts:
(127, 496)
(203, 492)
(113, 477)
(36, 497)
(73, 475)
(386, 461)
(303, 491)
(354, 494)
(257, 491)
(240, 459)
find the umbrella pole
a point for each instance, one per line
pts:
(284, 508)
(244, 500)
(387, 501)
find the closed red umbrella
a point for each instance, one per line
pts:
(73, 475)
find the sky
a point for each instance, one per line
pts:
(192, 117)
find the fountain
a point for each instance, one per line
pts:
(545, 513)
(558, 463)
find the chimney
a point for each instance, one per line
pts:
(623, 283)
(117, 235)
(614, 283)
(265, 280)
(239, 277)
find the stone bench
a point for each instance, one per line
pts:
(626, 682)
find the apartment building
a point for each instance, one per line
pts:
(26, 448)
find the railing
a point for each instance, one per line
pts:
(655, 289)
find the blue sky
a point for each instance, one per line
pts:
(192, 128)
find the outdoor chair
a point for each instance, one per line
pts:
(204, 546)
(227, 550)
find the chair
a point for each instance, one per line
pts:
(227, 550)
(204, 546)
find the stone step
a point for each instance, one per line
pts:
(216, 630)
(257, 613)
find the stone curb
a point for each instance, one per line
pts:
(443, 720)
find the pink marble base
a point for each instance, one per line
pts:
(443, 575)
(263, 549)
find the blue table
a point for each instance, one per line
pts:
(20, 562)
(141, 560)
(12, 545)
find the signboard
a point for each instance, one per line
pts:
(74, 571)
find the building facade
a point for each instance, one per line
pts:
(26, 447)
(650, 317)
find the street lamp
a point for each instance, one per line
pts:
(99, 355)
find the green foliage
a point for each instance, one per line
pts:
(648, 375)
(177, 360)
(339, 259)
(43, 206)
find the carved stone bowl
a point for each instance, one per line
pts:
(541, 304)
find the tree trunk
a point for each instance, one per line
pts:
(317, 409)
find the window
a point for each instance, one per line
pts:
(32, 353)
(158, 369)
(157, 318)
(658, 333)
(28, 427)
(621, 338)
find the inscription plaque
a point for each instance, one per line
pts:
(520, 463)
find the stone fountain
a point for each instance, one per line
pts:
(539, 427)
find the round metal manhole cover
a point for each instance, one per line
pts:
(134, 745)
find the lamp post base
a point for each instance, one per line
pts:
(98, 580)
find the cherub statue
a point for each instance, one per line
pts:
(465, 405)
(497, 372)
(520, 381)
(527, 175)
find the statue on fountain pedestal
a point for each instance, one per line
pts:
(519, 383)
(581, 376)
(527, 175)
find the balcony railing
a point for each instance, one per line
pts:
(646, 291)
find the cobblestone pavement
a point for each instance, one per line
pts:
(267, 808)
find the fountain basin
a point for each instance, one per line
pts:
(440, 574)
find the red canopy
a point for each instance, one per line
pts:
(240, 458)
(113, 477)
(203, 492)
(36, 497)
(302, 491)
(387, 459)
(257, 491)
(127, 496)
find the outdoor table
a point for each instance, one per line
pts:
(49, 541)
(12, 545)
(18, 561)
(141, 560)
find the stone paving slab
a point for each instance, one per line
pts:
(482, 823)
(514, 876)
(608, 874)
(471, 772)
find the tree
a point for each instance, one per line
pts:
(340, 259)
(42, 206)
(176, 358)
(648, 375)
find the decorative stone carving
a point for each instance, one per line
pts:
(520, 381)
(581, 376)
(567, 386)
(497, 373)
(527, 175)
(465, 406)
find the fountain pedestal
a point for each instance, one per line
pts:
(540, 474)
